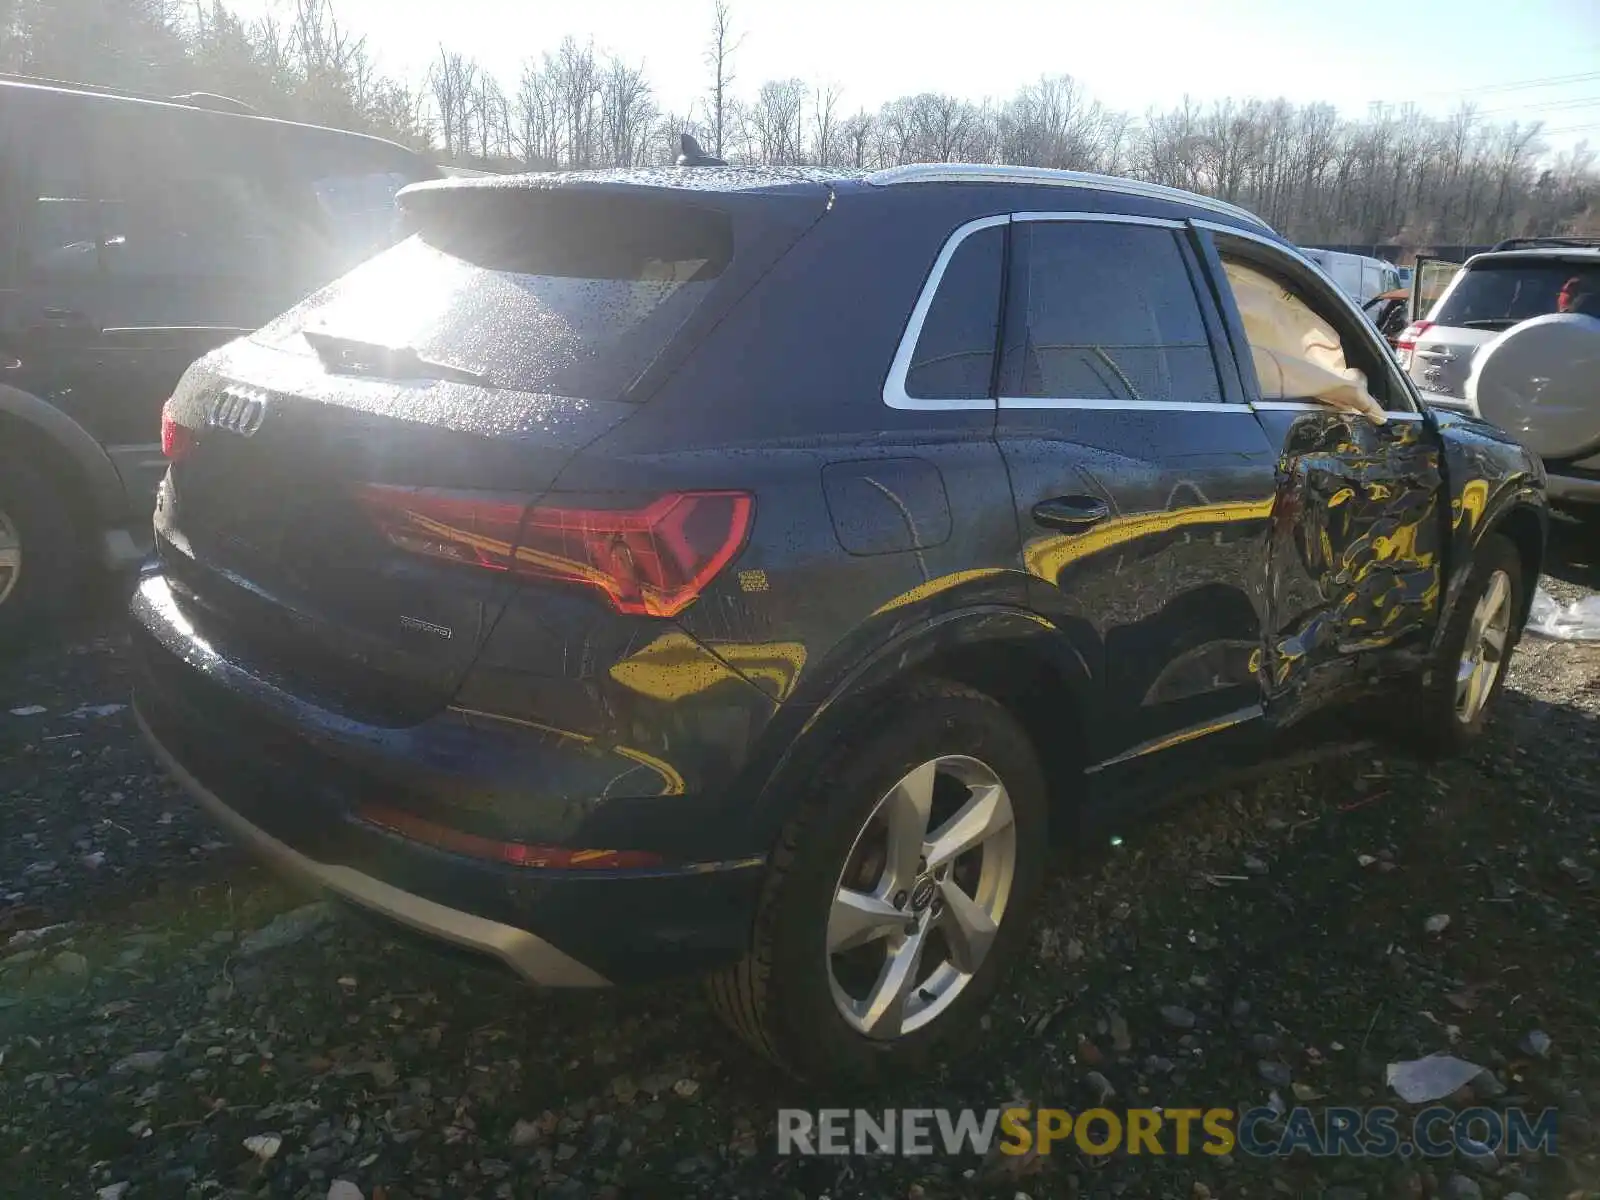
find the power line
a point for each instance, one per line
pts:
(1524, 84)
(1545, 106)
(1517, 85)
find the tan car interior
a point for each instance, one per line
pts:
(1297, 354)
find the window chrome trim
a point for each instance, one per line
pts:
(1014, 403)
(1049, 176)
(894, 387)
(1313, 406)
(1375, 340)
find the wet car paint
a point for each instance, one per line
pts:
(1494, 485)
(1246, 559)
(1166, 580)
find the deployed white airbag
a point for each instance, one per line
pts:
(1297, 354)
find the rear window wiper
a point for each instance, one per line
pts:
(1487, 323)
(351, 356)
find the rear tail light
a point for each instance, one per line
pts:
(1407, 341)
(515, 854)
(177, 440)
(653, 561)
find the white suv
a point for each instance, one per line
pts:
(1493, 292)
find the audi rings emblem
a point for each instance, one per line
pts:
(237, 411)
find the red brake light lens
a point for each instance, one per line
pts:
(177, 441)
(1409, 335)
(654, 560)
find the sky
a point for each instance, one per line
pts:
(1514, 59)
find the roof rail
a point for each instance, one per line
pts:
(1532, 243)
(1049, 176)
(191, 99)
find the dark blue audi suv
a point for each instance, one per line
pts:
(737, 572)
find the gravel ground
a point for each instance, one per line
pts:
(175, 1022)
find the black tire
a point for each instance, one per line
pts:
(778, 999)
(51, 553)
(1442, 730)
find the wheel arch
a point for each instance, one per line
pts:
(1527, 524)
(1015, 656)
(1520, 513)
(65, 451)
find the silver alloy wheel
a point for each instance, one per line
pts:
(10, 556)
(913, 894)
(1484, 655)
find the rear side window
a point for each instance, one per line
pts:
(1501, 292)
(954, 359)
(561, 293)
(1104, 312)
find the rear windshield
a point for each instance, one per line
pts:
(1499, 293)
(536, 293)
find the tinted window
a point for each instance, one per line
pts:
(1499, 293)
(1104, 312)
(539, 291)
(954, 359)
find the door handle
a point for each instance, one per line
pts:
(65, 318)
(1072, 513)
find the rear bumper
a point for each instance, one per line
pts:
(295, 782)
(533, 958)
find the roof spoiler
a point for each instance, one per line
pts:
(1533, 243)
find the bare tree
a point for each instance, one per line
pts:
(773, 123)
(453, 80)
(824, 126)
(855, 133)
(627, 112)
(1392, 175)
(719, 57)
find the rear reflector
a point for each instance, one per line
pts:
(176, 440)
(515, 854)
(654, 560)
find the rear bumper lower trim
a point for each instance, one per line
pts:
(531, 957)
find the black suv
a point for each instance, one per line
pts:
(735, 571)
(135, 235)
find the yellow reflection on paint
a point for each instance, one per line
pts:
(1474, 498)
(1046, 557)
(671, 782)
(675, 666)
(934, 586)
